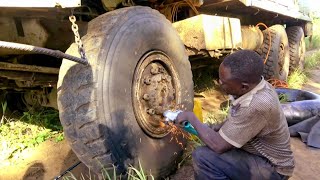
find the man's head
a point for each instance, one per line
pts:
(240, 72)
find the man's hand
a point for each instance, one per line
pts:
(210, 137)
(186, 116)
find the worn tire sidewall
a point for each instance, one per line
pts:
(294, 44)
(279, 36)
(134, 39)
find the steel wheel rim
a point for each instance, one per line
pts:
(156, 88)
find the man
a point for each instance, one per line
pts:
(254, 140)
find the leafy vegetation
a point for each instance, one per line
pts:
(31, 129)
(283, 98)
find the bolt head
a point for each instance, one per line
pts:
(146, 97)
(161, 69)
(147, 81)
(151, 111)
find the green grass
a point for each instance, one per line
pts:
(312, 61)
(283, 98)
(4, 110)
(217, 116)
(133, 173)
(27, 131)
(204, 80)
(138, 174)
(314, 41)
(297, 79)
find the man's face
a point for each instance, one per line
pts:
(229, 84)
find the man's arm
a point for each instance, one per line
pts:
(209, 136)
(216, 127)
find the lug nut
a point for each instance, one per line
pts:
(146, 97)
(147, 81)
(151, 111)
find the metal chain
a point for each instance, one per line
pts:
(77, 38)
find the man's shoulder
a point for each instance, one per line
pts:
(265, 99)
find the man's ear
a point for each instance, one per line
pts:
(244, 86)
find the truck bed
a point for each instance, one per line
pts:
(261, 10)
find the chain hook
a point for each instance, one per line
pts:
(75, 29)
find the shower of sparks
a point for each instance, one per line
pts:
(176, 132)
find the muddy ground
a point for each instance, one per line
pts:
(50, 158)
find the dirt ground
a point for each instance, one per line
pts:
(307, 158)
(50, 158)
(43, 162)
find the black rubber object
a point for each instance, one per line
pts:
(297, 47)
(277, 65)
(301, 105)
(95, 102)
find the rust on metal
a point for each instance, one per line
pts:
(28, 68)
(27, 76)
(30, 79)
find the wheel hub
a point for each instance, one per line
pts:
(154, 89)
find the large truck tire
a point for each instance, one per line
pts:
(297, 47)
(277, 64)
(111, 110)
